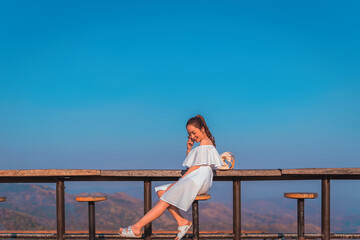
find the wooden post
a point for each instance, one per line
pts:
(325, 208)
(147, 207)
(195, 215)
(91, 207)
(60, 209)
(237, 209)
(301, 218)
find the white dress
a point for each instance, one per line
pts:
(199, 181)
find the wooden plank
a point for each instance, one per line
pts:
(142, 173)
(27, 235)
(49, 172)
(321, 171)
(178, 173)
(248, 173)
(34, 173)
(224, 234)
(278, 235)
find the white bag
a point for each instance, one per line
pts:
(228, 160)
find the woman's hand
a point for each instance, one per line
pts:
(189, 144)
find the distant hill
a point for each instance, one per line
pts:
(32, 207)
(11, 219)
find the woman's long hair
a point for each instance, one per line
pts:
(199, 122)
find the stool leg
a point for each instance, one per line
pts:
(301, 218)
(92, 220)
(195, 214)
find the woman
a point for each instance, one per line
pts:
(197, 180)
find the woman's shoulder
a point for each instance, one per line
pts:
(206, 145)
(204, 148)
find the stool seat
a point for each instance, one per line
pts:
(203, 197)
(2, 199)
(91, 199)
(301, 195)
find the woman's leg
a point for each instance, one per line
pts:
(174, 211)
(156, 212)
(150, 216)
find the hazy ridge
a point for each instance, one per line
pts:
(32, 207)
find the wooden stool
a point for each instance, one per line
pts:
(195, 213)
(91, 201)
(300, 209)
(2, 199)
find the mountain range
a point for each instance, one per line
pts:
(32, 207)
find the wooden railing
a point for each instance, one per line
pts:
(60, 176)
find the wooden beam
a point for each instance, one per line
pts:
(49, 173)
(321, 171)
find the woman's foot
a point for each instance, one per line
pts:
(183, 230)
(183, 222)
(130, 231)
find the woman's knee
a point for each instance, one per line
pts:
(162, 204)
(160, 193)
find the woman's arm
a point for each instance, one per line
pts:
(190, 169)
(187, 151)
(186, 173)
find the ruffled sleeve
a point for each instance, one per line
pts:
(203, 155)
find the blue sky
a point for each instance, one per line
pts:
(111, 84)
